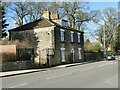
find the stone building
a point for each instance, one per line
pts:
(55, 42)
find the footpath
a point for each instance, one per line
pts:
(19, 72)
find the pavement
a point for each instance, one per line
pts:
(18, 72)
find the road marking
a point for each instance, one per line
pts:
(87, 69)
(64, 74)
(58, 76)
(108, 63)
(51, 77)
(19, 85)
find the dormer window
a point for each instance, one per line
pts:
(64, 22)
(78, 37)
(62, 34)
(72, 36)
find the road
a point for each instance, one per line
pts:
(102, 74)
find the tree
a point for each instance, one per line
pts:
(19, 12)
(35, 11)
(96, 47)
(87, 45)
(76, 13)
(25, 12)
(117, 44)
(109, 17)
(86, 17)
(92, 46)
(3, 21)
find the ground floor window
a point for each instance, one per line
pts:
(62, 54)
(79, 53)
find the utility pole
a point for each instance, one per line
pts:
(104, 47)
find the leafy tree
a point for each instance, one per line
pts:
(87, 45)
(96, 47)
(117, 44)
(92, 46)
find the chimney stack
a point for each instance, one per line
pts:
(46, 13)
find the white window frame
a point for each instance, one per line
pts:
(79, 53)
(62, 54)
(72, 36)
(62, 34)
(78, 37)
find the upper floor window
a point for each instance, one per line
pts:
(78, 37)
(62, 34)
(72, 36)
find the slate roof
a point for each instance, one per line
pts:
(33, 25)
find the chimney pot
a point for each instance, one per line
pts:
(54, 16)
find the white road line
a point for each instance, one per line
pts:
(64, 74)
(19, 85)
(109, 63)
(58, 76)
(51, 77)
(87, 69)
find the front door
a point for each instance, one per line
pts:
(72, 55)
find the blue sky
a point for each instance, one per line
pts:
(102, 5)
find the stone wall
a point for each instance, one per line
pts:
(40, 39)
(46, 40)
(19, 65)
